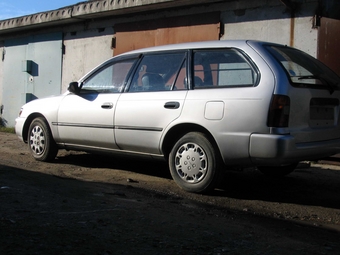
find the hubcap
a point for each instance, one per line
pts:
(37, 140)
(191, 163)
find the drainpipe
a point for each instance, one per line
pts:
(291, 7)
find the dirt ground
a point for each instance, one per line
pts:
(90, 204)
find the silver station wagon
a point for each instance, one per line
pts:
(202, 106)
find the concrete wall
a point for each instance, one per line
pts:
(274, 23)
(84, 50)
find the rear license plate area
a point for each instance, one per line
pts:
(322, 112)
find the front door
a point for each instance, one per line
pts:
(87, 118)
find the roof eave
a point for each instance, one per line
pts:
(90, 10)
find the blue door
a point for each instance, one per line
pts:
(32, 69)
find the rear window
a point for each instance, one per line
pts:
(304, 70)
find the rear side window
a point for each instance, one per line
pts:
(160, 72)
(304, 70)
(223, 68)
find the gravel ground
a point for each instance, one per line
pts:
(90, 204)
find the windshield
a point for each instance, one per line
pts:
(304, 70)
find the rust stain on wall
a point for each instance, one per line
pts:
(292, 30)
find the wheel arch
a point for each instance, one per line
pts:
(28, 122)
(176, 132)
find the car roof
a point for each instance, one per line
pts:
(197, 45)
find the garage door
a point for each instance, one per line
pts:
(32, 69)
(328, 43)
(190, 28)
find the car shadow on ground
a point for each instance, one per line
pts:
(137, 164)
(305, 186)
(68, 216)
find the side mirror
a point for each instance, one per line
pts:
(74, 88)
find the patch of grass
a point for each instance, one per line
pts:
(7, 129)
(3, 127)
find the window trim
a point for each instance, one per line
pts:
(141, 57)
(105, 65)
(242, 53)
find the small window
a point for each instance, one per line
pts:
(109, 79)
(218, 68)
(160, 72)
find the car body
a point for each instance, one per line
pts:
(201, 106)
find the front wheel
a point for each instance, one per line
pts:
(40, 141)
(194, 163)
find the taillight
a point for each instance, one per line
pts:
(278, 115)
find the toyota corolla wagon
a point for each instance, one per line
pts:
(202, 106)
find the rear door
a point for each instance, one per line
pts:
(153, 100)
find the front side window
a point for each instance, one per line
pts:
(160, 72)
(304, 70)
(225, 67)
(109, 79)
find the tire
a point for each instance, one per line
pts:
(277, 171)
(40, 141)
(195, 164)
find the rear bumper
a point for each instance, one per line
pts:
(267, 149)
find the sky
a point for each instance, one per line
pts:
(17, 8)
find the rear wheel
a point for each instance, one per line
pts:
(40, 141)
(194, 163)
(277, 171)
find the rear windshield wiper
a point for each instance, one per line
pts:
(322, 79)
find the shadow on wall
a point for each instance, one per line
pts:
(3, 122)
(330, 9)
(30, 67)
(30, 97)
(35, 69)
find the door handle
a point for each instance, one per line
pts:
(107, 105)
(171, 105)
